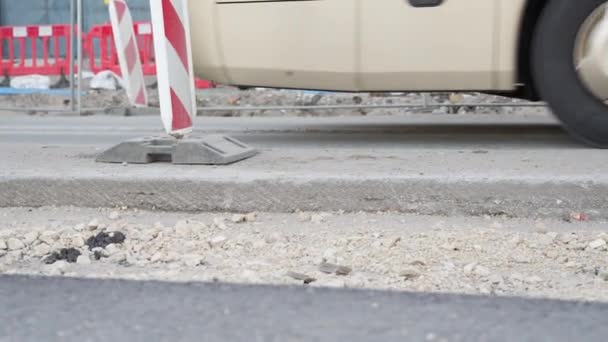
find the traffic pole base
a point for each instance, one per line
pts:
(207, 150)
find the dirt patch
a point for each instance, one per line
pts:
(68, 254)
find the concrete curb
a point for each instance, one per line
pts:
(421, 196)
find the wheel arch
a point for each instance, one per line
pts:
(531, 14)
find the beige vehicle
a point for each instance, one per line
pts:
(554, 50)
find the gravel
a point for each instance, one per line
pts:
(473, 255)
(230, 96)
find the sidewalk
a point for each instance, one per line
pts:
(522, 166)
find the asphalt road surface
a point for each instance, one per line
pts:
(53, 309)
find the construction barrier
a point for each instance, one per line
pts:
(46, 50)
(175, 70)
(24, 44)
(100, 49)
(128, 56)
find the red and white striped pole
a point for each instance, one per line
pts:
(128, 53)
(173, 51)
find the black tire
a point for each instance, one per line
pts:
(582, 114)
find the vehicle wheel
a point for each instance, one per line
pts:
(570, 66)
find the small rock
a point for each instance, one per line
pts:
(495, 279)
(521, 259)
(30, 238)
(596, 244)
(56, 268)
(456, 98)
(533, 279)
(99, 253)
(15, 244)
(567, 238)
(220, 223)
(114, 215)
(317, 218)
(183, 228)
(468, 269)
(48, 237)
(119, 258)
(79, 227)
(377, 244)
(274, 238)
(545, 240)
(409, 274)
(93, 224)
(329, 268)
(343, 270)
(83, 260)
(302, 277)
(304, 217)
(475, 268)
(239, 218)
(517, 277)
(192, 260)
(41, 250)
(450, 247)
(482, 271)
(218, 241)
(418, 263)
(156, 257)
(448, 266)
(259, 244)
(496, 224)
(3, 245)
(516, 240)
(111, 249)
(577, 217)
(395, 242)
(485, 289)
(330, 256)
(551, 254)
(77, 241)
(552, 235)
(251, 217)
(541, 227)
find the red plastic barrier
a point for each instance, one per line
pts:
(100, 49)
(23, 44)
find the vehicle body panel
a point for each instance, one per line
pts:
(358, 45)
